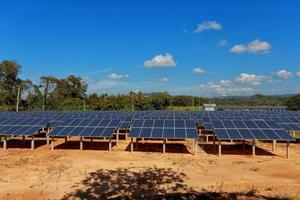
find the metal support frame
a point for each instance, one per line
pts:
(23, 138)
(52, 143)
(32, 142)
(220, 148)
(214, 141)
(117, 137)
(206, 136)
(66, 139)
(47, 138)
(131, 145)
(109, 144)
(164, 146)
(274, 145)
(81, 143)
(196, 147)
(91, 139)
(253, 148)
(4, 143)
(287, 149)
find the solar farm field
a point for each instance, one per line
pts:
(149, 155)
(68, 173)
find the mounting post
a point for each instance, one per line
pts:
(117, 138)
(220, 148)
(47, 138)
(196, 147)
(287, 149)
(274, 145)
(32, 142)
(81, 143)
(109, 144)
(164, 146)
(253, 148)
(52, 143)
(131, 145)
(4, 143)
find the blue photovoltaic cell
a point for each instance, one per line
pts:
(246, 134)
(148, 123)
(208, 126)
(108, 132)
(180, 133)
(87, 131)
(145, 133)
(168, 133)
(261, 124)
(135, 132)
(169, 124)
(158, 124)
(222, 134)
(179, 124)
(239, 124)
(228, 124)
(192, 133)
(272, 135)
(258, 134)
(157, 133)
(282, 134)
(272, 124)
(234, 134)
(217, 124)
(250, 124)
(138, 123)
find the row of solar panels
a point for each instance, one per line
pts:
(247, 130)
(96, 127)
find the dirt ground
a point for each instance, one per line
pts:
(95, 173)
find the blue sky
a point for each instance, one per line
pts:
(198, 48)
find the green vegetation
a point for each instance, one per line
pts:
(70, 93)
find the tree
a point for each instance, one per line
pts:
(9, 82)
(293, 103)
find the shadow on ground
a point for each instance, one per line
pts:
(20, 144)
(236, 149)
(151, 183)
(158, 147)
(87, 145)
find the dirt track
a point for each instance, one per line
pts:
(73, 174)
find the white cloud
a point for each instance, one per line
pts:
(164, 79)
(198, 71)
(298, 74)
(208, 25)
(284, 74)
(117, 76)
(251, 79)
(256, 46)
(225, 87)
(222, 43)
(240, 48)
(161, 61)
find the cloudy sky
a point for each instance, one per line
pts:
(198, 48)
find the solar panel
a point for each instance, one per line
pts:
(22, 125)
(168, 129)
(88, 127)
(249, 130)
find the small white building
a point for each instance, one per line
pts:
(209, 107)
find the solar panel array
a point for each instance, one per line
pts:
(19, 126)
(287, 120)
(87, 127)
(249, 130)
(167, 129)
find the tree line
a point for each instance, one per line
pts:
(70, 93)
